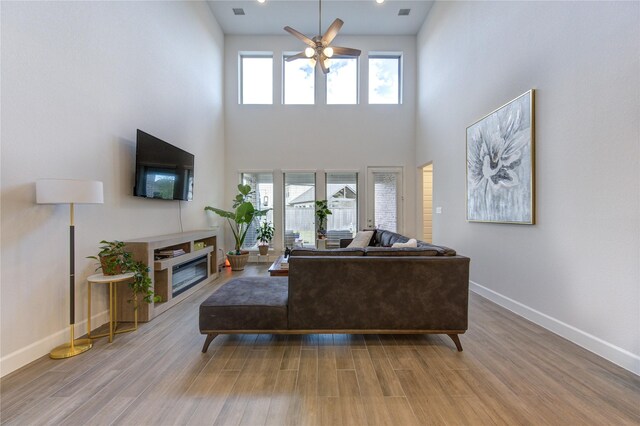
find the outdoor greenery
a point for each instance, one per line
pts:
(114, 259)
(241, 217)
(322, 211)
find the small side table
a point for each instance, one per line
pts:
(275, 270)
(112, 280)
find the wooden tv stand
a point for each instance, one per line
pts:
(196, 245)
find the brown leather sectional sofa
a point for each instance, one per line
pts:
(376, 289)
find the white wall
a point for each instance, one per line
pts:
(78, 78)
(577, 271)
(319, 137)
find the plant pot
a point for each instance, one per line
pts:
(110, 266)
(238, 261)
(264, 250)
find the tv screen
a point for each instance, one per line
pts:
(163, 171)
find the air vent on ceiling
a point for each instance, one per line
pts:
(238, 11)
(404, 12)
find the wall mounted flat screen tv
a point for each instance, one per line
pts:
(163, 171)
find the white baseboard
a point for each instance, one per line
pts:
(606, 350)
(35, 350)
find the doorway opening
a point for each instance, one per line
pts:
(427, 203)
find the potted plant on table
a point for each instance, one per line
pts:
(115, 259)
(264, 235)
(322, 211)
(239, 220)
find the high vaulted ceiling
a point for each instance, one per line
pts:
(361, 17)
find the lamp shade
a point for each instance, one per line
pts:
(67, 191)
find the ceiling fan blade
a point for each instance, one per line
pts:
(300, 55)
(332, 32)
(300, 36)
(345, 51)
(325, 70)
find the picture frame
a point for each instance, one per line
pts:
(500, 154)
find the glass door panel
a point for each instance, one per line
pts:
(385, 198)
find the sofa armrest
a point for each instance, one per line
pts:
(344, 242)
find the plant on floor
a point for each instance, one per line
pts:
(239, 220)
(115, 259)
(264, 234)
(322, 211)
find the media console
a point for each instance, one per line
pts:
(174, 277)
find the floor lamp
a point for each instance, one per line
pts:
(70, 191)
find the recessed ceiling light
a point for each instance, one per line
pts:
(379, 1)
(404, 12)
(261, 1)
(238, 11)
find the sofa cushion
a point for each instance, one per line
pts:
(442, 250)
(411, 243)
(361, 239)
(247, 303)
(386, 238)
(349, 251)
(400, 251)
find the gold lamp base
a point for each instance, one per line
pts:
(73, 348)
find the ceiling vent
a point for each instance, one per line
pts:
(238, 11)
(404, 12)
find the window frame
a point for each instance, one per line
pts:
(386, 55)
(285, 55)
(250, 55)
(284, 204)
(357, 176)
(241, 175)
(326, 81)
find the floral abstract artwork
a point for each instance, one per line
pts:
(500, 164)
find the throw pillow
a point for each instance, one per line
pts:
(361, 239)
(411, 243)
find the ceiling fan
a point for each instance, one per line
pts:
(319, 49)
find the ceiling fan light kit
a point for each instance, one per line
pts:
(318, 48)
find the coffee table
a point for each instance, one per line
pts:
(275, 270)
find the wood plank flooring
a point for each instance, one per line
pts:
(511, 372)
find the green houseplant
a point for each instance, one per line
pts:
(115, 259)
(264, 235)
(239, 220)
(322, 211)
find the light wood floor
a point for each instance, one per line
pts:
(511, 372)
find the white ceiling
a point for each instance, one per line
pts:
(361, 17)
